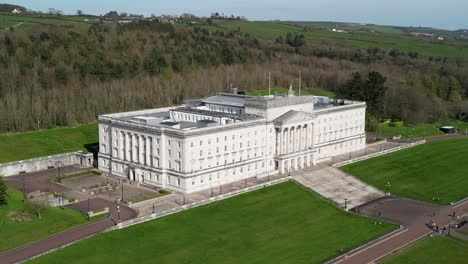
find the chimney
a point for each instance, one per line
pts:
(232, 89)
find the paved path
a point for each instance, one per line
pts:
(337, 186)
(40, 180)
(64, 238)
(415, 216)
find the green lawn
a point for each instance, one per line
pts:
(433, 250)
(26, 21)
(14, 234)
(422, 130)
(280, 224)
(438, 167)
(385, 39)
(305, 91)
(19, 146)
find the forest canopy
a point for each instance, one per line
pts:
(52, 76)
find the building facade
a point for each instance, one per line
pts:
(227, 137)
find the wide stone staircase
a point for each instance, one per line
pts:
(343, 189)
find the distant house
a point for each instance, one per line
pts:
(338, 30)
(129, 19)
(440, 38)
(16, 11)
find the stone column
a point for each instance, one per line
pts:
(280, 142)
(306, 138)
(294, 137)
(134, 148)
(127, 147)
(299, 143)
(148, 151)
(141, 149)
(121, 146)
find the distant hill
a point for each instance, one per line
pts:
(8, 8)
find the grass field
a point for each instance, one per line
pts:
(423, 130)
(280, 224)
(436, 168)
(40, 143)
(433, 250)
(346, 26)
(305, 91)
(271, 30)
(26, 21)
(14, 233)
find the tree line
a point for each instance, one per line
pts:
(52, 76)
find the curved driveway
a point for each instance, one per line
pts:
(41, 246)
(414, 215)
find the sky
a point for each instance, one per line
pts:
(446, 14)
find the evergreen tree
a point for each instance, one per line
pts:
(354, 88)
(3, 192)
(374, 91)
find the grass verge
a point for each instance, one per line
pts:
(19, 224)
(282, 223)
(28, 145)
(435, 169)
(437, 249)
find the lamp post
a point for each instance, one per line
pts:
(153, 208)
(118, 213)
(59, 165)
(88, 210)
(122, 187)
(345, 203)
(388, 185)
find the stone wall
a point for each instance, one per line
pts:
(48, 162)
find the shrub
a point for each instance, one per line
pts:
(163, 191)
(396, 124)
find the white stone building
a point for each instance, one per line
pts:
(227, 137)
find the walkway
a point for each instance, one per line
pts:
(41, 180)
(39, 247)
(341, 188)
(414, 215)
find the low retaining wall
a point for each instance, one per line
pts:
(44, 163)
(177, 209)
(95, 213)
(380, 153)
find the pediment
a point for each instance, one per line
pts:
(294, 117)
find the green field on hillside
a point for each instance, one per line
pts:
(271, 30)
(19, 225)
(438, 249)
(26, 21)
(305, 91)
(435, 169)
(346, 26)
(19, 146)
(422, 130)
(284, 223)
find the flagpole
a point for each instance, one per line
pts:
(269, 84)
(299, 83)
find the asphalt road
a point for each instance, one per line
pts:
(69, 236)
